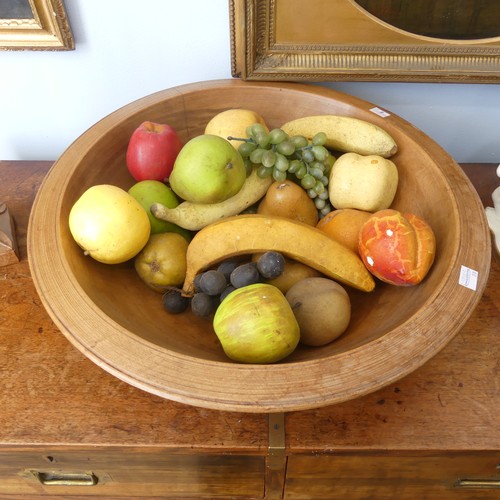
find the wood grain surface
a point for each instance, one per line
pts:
(59, 411)
(51, 393)
(451, 403)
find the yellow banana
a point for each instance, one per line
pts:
(252, 233)
(345, 133)
(194, 216)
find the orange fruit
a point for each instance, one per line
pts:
(343, 225)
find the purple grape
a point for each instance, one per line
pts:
(174, 302)
(203, 304)
(271, 264)
(227, 267)
(244, 275)
(226, 292)
(212, 282)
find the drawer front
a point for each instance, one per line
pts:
(397, 475)
(131, 474)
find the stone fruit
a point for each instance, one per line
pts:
(255, 324)
(152, 150)
(322, 308)
(109, 224)
(233, 123)
(287, 199)
(208, 169)
(397, 248)
(162, 262)
(149, 192)
(363, 182)
(344, 225)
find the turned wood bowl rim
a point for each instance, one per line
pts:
(204, 382)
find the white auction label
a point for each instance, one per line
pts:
(468, 277)
(380, 112)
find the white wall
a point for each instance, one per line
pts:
(47, 99)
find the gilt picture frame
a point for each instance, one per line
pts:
(340, 40)
(34, 25)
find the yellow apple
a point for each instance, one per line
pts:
(233, 123)
(109, 224)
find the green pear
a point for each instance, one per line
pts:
(208, 169)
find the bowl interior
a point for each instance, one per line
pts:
(117, 294)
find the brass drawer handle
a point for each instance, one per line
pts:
(66, 478)
(478, 483)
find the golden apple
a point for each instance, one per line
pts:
(109, 224)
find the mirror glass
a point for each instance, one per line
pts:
(443, 19)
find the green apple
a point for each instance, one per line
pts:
(256, 324)
(151, 191)
(208, 169)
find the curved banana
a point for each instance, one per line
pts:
(254, 233)
(345, 133)
(195, 216)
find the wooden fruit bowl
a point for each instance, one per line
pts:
(115, 320)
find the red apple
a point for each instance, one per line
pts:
(397, 248)
(152, 150)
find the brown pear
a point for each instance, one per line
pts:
(287, 199)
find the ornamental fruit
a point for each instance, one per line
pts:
(149, 192)
(255, 324)
(288, 199)
(109, 224)
(397, 248)
(344, 225)
(322, 308)
(152, 150)
(162, 262)
(208, 169)
(363, 182)
(233, 123)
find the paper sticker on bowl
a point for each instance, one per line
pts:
(468, 278)
(380, 112)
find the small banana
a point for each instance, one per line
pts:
(345, 133)
(195, 216)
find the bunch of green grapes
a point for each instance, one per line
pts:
(281, 156)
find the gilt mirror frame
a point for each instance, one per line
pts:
(46, 29)
(337, 40)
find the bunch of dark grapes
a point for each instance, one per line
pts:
(281, 156)
(214, 285)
